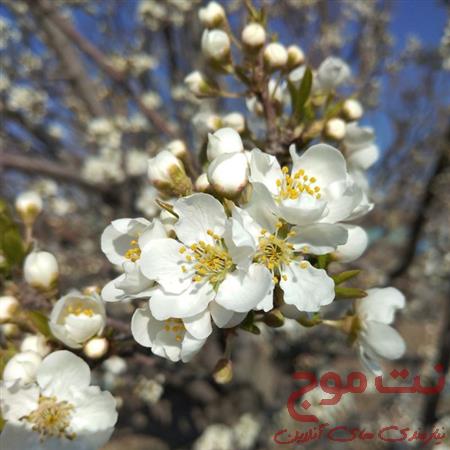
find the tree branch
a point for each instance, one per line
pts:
(47, 8)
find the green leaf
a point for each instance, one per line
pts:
(40, 321)
(300, 96)
(347, 292)
(12, 247)
(344, 276)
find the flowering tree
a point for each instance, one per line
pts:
(248, 224)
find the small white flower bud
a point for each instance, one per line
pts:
(202, 183)
(41, 270)
(234, 120)
(76, 318)
(178, 148)
(296, 57)
(22, 366)
(224, 140)
(352, 109)
(8, 306)
(275, 56)
(211, 15)
(199, 85)
(228, 174)
(35, 343)
(96, 348)
(335, 129)
(28, 205)
(216, 45)
(166, 172)
(253, 35)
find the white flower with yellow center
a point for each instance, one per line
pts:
(58, 411)
(371, 327)
(76, 318)
(282, 252)
(205, 264)
(317, 189)
(122, 242)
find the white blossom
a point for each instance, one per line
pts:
(59, 410)
(8, 307)
(224, 140)
(375, 337)
(275, 55)
(35, 343)
(75, 318)
(253, 35)
(122, 242)
(360, 147)
(332, 73)
(41, 270)
(216, 45)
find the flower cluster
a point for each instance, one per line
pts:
(249, 239)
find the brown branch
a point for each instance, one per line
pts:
(46, 167)
(73, 66)
(48, 9)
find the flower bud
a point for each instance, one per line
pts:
(228, 174)
(274, 318)
(10, 330)
(202, 184)
(211, 15)
(275, 56)
(335, 129)
(224, 140)
(253, 35)
(199, 85)
(8, 307)
(216, 45)
(296, 57)
(352, 109)
(41, 270)
(166, 173)
(22, 366)
(96, 348)
(28, 205)
(234, 120)
(35, 343)
(178, 148)
(223, 372)
(76, 318)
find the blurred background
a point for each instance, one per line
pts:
(89, 89)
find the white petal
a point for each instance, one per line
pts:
(144, 327)
(369, 360)
(304, 210)
(356, 244)
(92, 441)
(308, 289)
(266, 304)
(194, 300)
(81, 328)
(262, 207)
(383, 340)
(162, 261)
(242, 291)
(190, 347)
(15, 436)
(224, 318)
(343, 197)
(199, 213)
(94, 410)
(320, 238)
(133, 283)
(364, 158)
(240, 243)
(322, 161)
(17, 400)
(116, 238)
(380, 304)
(265, 169)
(156, 230)
(62, 369)
(199, 326)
